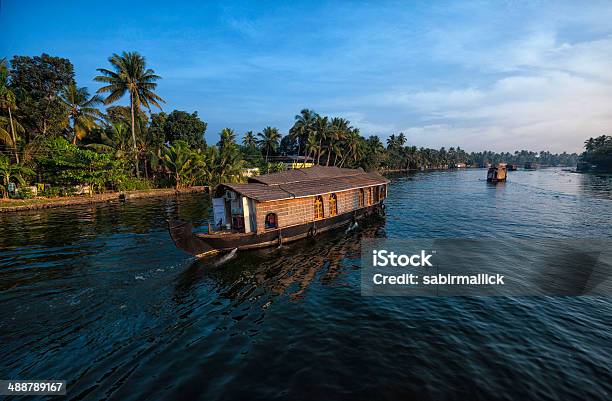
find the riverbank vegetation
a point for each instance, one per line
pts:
(58, 138)
(597, 156)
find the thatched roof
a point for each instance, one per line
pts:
(306, 182)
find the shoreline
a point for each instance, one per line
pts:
(17, 205)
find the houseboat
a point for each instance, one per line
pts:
(531, 166)
(497, 173)
(281, 207)
(512, 167)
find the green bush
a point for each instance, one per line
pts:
(24, 193)
(133, 184)
(50, 192)
(68, 191)
(64, 164)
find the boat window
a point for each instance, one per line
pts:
(318, 207)
(271, 221)
(333, 205)
(370, 201)
(361, 198)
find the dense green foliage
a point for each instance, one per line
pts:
(598, 154)
(130, 75)
(181, 126)
(54, 132)
(37, 82)
(64, 164)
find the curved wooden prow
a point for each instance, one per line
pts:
(182, 234)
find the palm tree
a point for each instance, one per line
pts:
(130, 75)
(12, 172)
(351, 145)
(228, 138)
(338, 129)
(312, 145)
(375, 145)
(7, 125)
(401, 139)
(186, 166)
(81, 109)
(249, 140)
(115, 139)
(321, 128)
(7, 101)
(223, 165)
(303, 127)
(270, 139)
(392, 142)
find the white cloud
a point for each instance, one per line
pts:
(550, 94)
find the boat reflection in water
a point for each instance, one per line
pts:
(285, 270)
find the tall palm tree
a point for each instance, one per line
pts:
(7, 101)
(303, 127)
(81, 109)
(312, 145)
(249, 140)
(321, 128)
(351, 145)
(401, 139)
(337, 131)
(269, 140)
(227, 138)
(6, 127)
(130, 75)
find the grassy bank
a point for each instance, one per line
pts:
(15, 205)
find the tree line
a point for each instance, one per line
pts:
(56, 132)
(597, 155)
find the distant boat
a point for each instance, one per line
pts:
(497, 173)
(512, 167)
(531, 166)
(275, 208)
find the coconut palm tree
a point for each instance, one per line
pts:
(115, 139)
(7, 101)
(130, 75)
(401, 139)
(6, 127)
(223, 165)
(392, 142)
(312, 145)
(227, 138)
(249, 140)
(303, 126)
(337, 131)
(321, 128)
(351, 146)
(81, 109)
(269, 140)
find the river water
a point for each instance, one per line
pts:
(99, 296)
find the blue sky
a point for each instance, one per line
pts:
(480, 75)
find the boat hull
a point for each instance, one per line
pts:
(206, 244)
